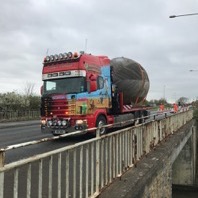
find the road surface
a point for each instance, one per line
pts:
(25, 133)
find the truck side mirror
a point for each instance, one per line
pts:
(92, 83)
(41, 90)
(91, 86)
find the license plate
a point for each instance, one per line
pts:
(59, 132)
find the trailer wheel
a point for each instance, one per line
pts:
(101, 121)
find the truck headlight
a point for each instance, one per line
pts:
(64, 122)
(59, 122)
(43, 122)
(55, 123)
(79, 122)
(49, 123)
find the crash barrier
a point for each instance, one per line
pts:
(18, 115)
(85, 168)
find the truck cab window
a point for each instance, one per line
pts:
(50, 86)
(100, 82)
(65, 85)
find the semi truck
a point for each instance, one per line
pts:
(81, 91)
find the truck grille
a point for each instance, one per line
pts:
(58, 107)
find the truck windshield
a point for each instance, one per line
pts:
(65, 85)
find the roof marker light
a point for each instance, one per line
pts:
(56, 57)
(60, 56)
(75, 54)
(47, 58)
(65, 55)
(70, 54)
(51, 58)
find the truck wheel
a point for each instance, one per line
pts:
(101, 121)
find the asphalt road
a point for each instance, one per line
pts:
(29, 132)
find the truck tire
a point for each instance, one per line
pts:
(101, 121)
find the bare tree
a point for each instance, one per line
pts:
(29, 89)
(28, 92)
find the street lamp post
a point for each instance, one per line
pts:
(181, 15)
(193, 70)
(174, 16)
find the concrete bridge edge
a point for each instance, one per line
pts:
(137, 182)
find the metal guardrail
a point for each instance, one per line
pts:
(18, 115)
(84, 169)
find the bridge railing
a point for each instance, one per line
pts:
(85, 168)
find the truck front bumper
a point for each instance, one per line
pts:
(60, 131)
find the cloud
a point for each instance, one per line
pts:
(166, 48)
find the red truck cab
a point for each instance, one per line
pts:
(79, 93)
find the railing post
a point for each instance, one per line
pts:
(1, 184)
(97, 161)
(2, 158)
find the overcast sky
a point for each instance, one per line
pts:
(137, 29)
